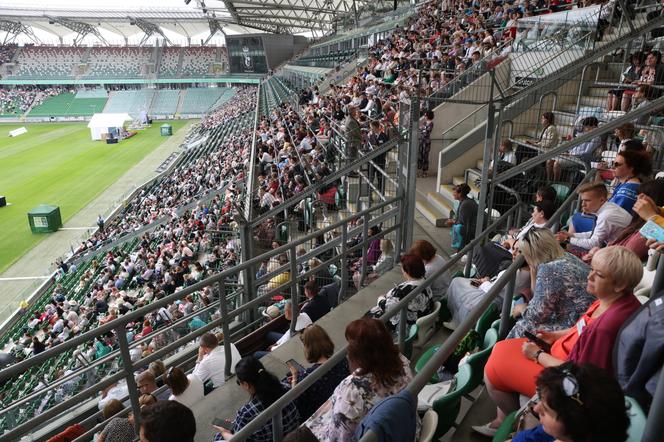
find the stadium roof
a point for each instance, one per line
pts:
(193, 18)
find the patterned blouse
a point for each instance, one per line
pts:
(560, 297)
(419, 306)
(337, 419)
(249, 411)
(118, 429)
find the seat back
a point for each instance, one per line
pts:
(478, 360)
(447, 407)
(429, 423)
(487, 318)
(637, 420)
(427, 326)
(410, 339)
(505, 430)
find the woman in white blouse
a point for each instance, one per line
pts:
(187, 389)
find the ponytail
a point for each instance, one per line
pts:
(266, 385)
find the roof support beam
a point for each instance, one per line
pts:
(215, 26)
(82, 29)
(148, 28)
(13, 29)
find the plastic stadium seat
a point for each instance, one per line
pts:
(410, 339)
(488, 317)
(427, 326)
(505, 429)
(421, 362)
(637, 420)
(478, 360)
(429, 424)
(447, 407)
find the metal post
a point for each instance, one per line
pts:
(277, 427)
(507, 307)
(295, 300)
(402, 329)
(128, 368)
(409, 173)
(246, 253)
(658, 282)
(655, 424)
(488, 143)
(223, 308)
(494, 156)
(365, 247)
(343, 267)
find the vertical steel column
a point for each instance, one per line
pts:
(223, 309)
(343, 267)
(128, 368)
(409, 172)
(277, 427)
(403, 333)
(365, 247)
(295, 299)
(494, 157)
(488, 144)
(507, 307)
(246, 253)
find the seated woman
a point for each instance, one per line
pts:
(515, 363)
(465, 293)
(578, 402)
(557, 281)
(187, 389)
(629, 168)
(318, 348)
(384, 264)
(432, 263)
(377, 371)
(630, 236)
(264, 389)
(412, 268)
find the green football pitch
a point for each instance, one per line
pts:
(58, 163)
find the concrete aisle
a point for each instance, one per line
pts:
(38, 261)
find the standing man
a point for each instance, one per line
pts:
(353, 134)
(100, 223)
(377, 137)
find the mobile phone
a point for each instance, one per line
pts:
(652, 230)
(540, 343)
(223, 423)
(475, 282)
(293, 363)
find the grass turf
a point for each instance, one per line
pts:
(57, 163)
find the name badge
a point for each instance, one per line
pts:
(580, 326)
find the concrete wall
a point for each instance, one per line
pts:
(447, 115)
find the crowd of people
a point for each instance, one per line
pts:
(18, 100)
(575, 289)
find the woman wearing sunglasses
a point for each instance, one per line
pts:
(629, 169)
(578, 403)
(514, 364)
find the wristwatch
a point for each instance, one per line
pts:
(539, 352)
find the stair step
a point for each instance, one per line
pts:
(432, 214)
(593, 101)
(598, 91)
(565, 118)
(440, 203)
(480, 164)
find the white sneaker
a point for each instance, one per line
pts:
(486, 429)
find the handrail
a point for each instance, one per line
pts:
(446, 349)
(274, 410)
(586, 136)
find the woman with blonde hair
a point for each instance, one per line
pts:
(514, 364)
(557, 295)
